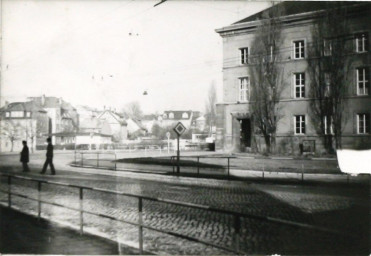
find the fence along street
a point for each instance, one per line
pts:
(235, 225)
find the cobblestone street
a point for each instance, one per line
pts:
(332, 207)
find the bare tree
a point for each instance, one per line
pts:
(266, 76)
(133, 110)
(11, 131)
(210, 107)
(328, 68)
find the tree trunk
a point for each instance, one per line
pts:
(267, 139)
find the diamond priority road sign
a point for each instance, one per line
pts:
(179, 128)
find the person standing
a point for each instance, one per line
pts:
(25, 157)
(49, 157)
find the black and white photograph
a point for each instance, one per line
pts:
(185, 127)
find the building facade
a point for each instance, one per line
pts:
(113, 124)
(171, 117)
(22, 121)
(236, 130)
(63, 117)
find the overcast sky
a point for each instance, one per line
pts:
(107, 53)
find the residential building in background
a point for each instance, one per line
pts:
(236, 130)
(172, 117)
(135, 128)
(113, 124)
(22, 121)
(63, 117)
(148, 121)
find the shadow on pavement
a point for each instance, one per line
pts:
(24, 234)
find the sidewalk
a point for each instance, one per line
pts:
(24, 234)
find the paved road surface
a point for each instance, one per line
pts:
(332, 207)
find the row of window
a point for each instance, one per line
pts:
(362, 80)
(299, 48)
(363, 124)
(171, 115)
(18, 114)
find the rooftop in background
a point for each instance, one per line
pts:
(295, 7)
(30, 106)
(52, 102)
(178, 114)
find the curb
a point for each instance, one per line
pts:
(285, 157)
(297, 178)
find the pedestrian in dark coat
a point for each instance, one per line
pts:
(25, 157)
(49, 157)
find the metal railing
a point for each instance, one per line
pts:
(260, 173)
(108, 160)
(95, 159)
(236, 215)
(200, 165)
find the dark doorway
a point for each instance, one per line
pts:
(245, 135)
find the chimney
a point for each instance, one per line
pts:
(43, 100)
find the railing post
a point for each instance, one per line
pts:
(172, 161)
(263, 171)
(9, 191)
(140, 212)
(237, 227)
(228, 166)
(115, 162)
(82, 159)
(198, 165)
(97, 159)
(302, 173)
(39, 200)
(81, 211)
(75, 156)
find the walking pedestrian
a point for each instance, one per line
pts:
(25, 157)
(49, 157)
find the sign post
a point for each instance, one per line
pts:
(168, 142)
(179, 130)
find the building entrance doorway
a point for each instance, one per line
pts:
(245, 133)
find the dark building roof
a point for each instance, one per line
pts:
(118, 117)
(139, 123)
(178, 115)
(297, 7)
(52, 102)
(149, 117)
(29, 106)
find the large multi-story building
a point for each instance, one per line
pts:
(63, 117)
(236, 130)
(22, 121)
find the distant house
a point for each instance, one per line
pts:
(199, 123)
(22, 121)
(113, 124)
(86, 112)
(63, 117)
(135, 128)
(95, 125)
(148, 121)
(82, 140)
